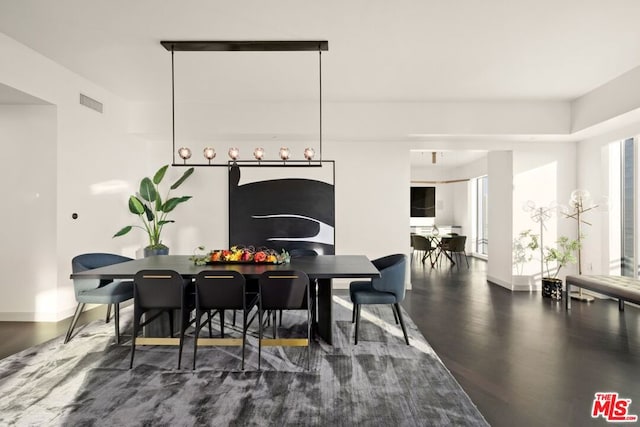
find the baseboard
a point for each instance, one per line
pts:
(29, 316)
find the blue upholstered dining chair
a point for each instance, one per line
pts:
(387, 289)
(95, 291)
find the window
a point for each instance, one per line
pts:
(627, 208)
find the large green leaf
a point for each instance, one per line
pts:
(182, 179)
(135, 206)
(124, 231)
(170, 204)
(157, 178)
(148, 190)
(149, 212)
(158, 206)
(168, 221)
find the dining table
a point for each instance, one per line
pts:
(321, 269)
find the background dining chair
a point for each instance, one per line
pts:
(456, 246)
(284, 290)
(423, 245)
(156, 292)
(221, 290)
(389, 288)
(95, 291)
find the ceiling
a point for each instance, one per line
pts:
(401, 51)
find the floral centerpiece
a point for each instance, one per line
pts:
(240, 254)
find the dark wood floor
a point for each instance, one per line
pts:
(522, 359)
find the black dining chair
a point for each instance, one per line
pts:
(158, 292)
(422, 245)
(284, 290)
(220, 290)
(389, 288)
(456, 247)
(96, 291)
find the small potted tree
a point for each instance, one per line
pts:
(523, 247)
(560, 256)
(152, 209)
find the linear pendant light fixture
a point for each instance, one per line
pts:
(209, 153)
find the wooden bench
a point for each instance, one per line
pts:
(620, 287)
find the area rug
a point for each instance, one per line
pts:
(378, 382)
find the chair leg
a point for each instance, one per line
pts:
(116, 320)
(182, 328)
(222, 323)
(395, 316)
(244, 333)
(74, 320)
(404, 330)
(353, 314)
(466, 258)
(136, 324)
(308, 338)
(275, 327)
(357, 322)
(195, 336)
(259, 337)
(106, 320)
(280, 317)
(209, 322)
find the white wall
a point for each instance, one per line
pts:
(29, 231)
(500, 199)
(92, 166)
(545, 174)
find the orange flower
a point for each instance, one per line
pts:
(260, 256)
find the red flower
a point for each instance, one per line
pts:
(260, 257)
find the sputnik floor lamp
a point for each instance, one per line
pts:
(581, 203)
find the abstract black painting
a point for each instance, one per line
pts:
(423, 202)
(290, 212)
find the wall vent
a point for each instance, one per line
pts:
(91, 103)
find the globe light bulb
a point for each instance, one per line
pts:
(209, 154)
(284, 153)
(258, 153)
(184, 153)
(309, 153)
(234, 153)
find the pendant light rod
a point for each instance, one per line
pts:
(173, 110)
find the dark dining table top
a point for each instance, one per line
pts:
(316, 267)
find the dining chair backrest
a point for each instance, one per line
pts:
(89, 261)
(458, 244)
(285, 289)
(220, 289)
(446, 242)
(392, 273)
(421, 243)
(158, 289)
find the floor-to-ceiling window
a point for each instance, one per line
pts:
(627, 208)
(481, 212)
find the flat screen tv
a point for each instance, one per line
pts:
(423, 202)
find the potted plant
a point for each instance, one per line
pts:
(560, 256)
(153, 209)
(523, 247)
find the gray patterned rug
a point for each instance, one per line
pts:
(379, 382)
